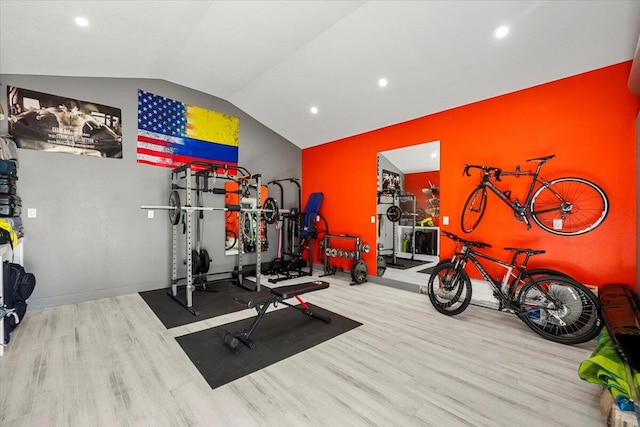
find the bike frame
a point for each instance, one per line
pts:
(522, 209)
(508, 299)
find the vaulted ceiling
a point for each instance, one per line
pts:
(277, 59)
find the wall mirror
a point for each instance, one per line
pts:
(408, 210)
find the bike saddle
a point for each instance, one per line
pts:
(542, 159)
(466, 242)
(526, 250)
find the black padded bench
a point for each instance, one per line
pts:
(261, 304)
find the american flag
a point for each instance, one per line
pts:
(171, 133)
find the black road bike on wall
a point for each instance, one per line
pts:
(552, 304)
(565, 206)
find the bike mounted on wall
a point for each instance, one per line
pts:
(566, 206)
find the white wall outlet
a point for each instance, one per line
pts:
(445, 220)
(32, 213)
(149, 214)
(373, 219)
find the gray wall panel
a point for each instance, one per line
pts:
(90, 238)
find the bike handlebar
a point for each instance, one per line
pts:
(486, 170)
(469, 243)
(498, 172)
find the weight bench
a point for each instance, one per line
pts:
(261, 304)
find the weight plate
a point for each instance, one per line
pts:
(420, 214)
(394, 213)
(359, 271)
(205, 261)
(195, 262)
(270, 210)
(382, 266)
(174, 202)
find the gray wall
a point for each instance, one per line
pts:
(90, 238)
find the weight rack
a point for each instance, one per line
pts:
(359, 266)
(394, 195)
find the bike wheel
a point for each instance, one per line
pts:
(530, 275)
(560, 309)
(474, 209)
(449, 289)
(230, 239)
(569, 206)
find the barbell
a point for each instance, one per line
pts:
(269, 210)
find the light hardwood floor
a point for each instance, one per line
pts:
(110, 362)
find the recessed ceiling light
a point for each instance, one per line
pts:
(502, 32)
(314, 110)
(82, 22)
(382, 82)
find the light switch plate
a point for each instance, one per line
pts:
(445, 220)
(32, 213)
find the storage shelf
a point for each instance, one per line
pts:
(408, 229)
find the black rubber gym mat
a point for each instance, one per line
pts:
(426, 270)
(208, 304)
(281, 334)
(402, 263)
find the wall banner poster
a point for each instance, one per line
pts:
(172, 133)
(45, 122)
(390, 180)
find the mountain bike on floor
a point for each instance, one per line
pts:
(565, 206)
(552, 304)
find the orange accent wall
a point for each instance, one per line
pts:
(587, 121)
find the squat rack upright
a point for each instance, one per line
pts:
(206, 169)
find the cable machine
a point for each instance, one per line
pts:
(289, 261)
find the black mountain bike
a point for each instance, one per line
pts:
(564, 206)
(554, 305)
